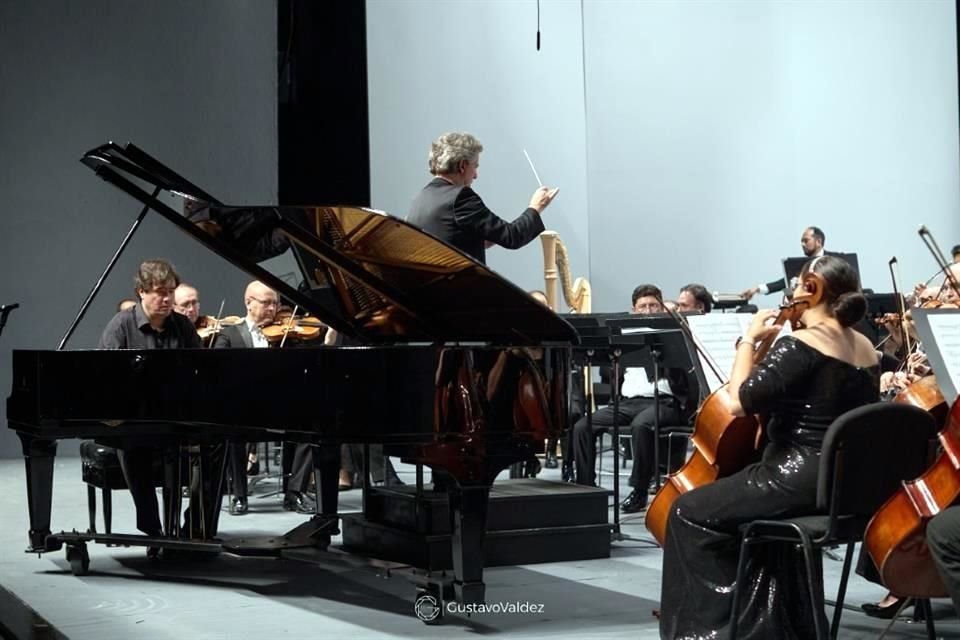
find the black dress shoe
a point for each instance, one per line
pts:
(635, 502)
(153, 553)
(299, 502)
(885, 612)
(551, 462)
(238, 506)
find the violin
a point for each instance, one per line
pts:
(209, 326)
(288, 326)
(925, 393)
(722, 442)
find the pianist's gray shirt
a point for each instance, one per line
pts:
(131, 329)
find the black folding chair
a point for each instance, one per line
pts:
(867, 453)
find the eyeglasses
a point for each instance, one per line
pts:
(189, 304)
(266, 303)
(652, 307)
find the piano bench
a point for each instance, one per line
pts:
(100, 469)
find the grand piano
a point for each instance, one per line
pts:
(458, 369)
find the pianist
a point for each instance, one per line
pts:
(450, 209)
(152, 324)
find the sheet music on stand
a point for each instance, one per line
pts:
(717, 334)
(939, 331)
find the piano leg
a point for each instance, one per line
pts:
(326, 460)
(38, 456)
(468, 512)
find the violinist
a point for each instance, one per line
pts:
(186, 302)
(805, 381)
(261, 302)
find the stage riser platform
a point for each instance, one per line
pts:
(528, 521)
(501, 548)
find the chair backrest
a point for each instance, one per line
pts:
(868, 452)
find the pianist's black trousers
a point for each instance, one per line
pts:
(140, 462)
(636, 417)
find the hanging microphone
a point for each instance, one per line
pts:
(538, 25)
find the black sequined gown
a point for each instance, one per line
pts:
(801, 390)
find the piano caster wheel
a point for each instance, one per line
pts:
(429, 606)
(78, 558)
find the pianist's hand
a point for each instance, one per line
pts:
(542, 197)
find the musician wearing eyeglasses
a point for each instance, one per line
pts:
(637, 410)
(261, 303)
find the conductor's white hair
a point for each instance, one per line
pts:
(448, 150)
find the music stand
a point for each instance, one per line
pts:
(593, 350)
(938, 330)
(793, 266)
(880, 303)
(650, 342)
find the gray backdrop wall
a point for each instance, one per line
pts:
(693, 140)
(472, 66)
(192, 83)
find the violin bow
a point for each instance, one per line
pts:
(939, 258)
(894, 276)
(290, 324)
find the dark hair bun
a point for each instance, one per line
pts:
(849, 308)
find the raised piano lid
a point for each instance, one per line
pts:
(368, 274)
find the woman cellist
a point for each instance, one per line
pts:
(805, 381)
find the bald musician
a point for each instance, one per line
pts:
(261, 302)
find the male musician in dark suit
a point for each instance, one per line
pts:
(636, 411)
(152, 324)
(261, 302)
(811, 243)
(451, 210)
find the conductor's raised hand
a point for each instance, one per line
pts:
(542, 197)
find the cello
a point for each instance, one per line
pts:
(722, 442)
(895, 537)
